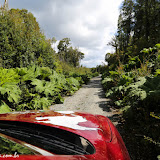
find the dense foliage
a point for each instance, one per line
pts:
(36, 87)
(135, 88)
(21, 41)
(132, 77)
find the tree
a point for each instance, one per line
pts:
(69, 54)
(114, 43)
(63, 48)
(147, 23)
(125, 25)
(53, 40)
(75, 56)
(138, 28)
(21, 41)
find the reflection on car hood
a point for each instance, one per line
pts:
(66, 121)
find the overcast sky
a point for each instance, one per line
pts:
(90, 24)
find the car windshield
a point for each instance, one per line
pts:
(53, 140)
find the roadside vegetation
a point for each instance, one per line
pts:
(132, 77)
(32, 74)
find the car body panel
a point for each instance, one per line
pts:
(97, 129)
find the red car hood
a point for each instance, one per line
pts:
(86, 125)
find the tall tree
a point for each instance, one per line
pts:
(21, 41)
(125, 24)
(147, 23)
(63, 48)
(138, 27)
(69, 54)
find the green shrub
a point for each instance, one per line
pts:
(137, 93)
(36, 87)
(9, 89)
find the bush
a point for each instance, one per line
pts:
(36, 87)
(137, 93)
(9, 89)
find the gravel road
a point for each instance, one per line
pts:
(90, 98)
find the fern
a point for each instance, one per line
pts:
(51, 89)
(44, 87)
(35, 87)
(45, 72)
(152, 86)
(73, 84)
(125, 79)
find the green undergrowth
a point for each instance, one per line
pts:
(36, 87)
(136, 92)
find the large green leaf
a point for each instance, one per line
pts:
(40, 103)
(13, 92)
(39, 85)
(4, 108)
(8, 76)
(51, 89)
(31, 73)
